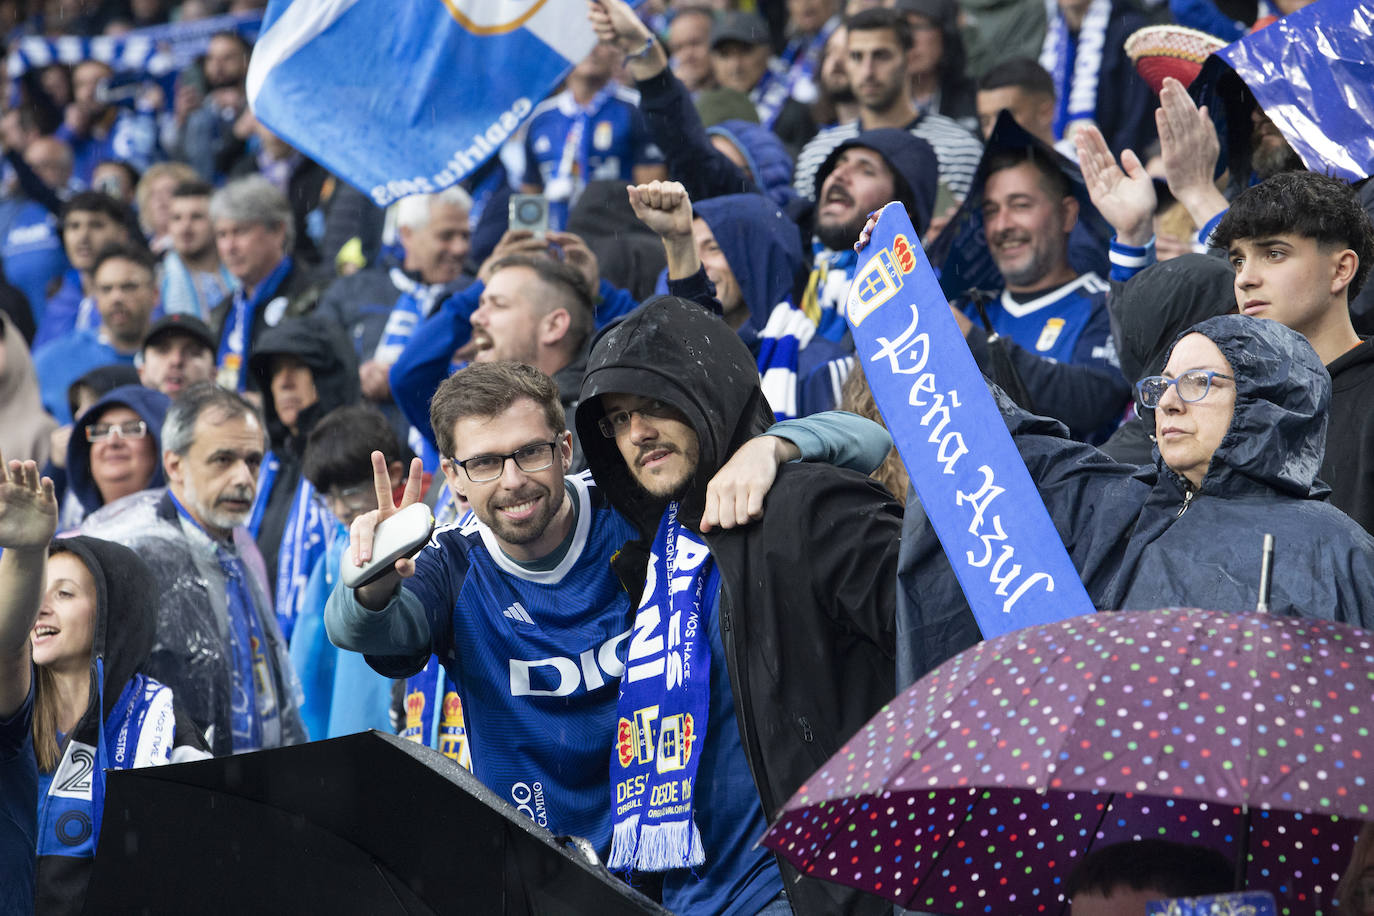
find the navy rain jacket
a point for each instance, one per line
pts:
(1143, 538)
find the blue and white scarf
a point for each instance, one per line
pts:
(665, 697)
(434, 714)
(139, 732)
(802, 57)
(1076, 65)
(570, 176)
(790, 329)
(771, 94)
(238, 327)
(415, 304)
(310, 529)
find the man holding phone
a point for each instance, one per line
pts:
(519, 603)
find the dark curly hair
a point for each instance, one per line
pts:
(1305, 204)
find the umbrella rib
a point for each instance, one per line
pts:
(381, 872)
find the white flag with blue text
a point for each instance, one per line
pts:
(409, 97)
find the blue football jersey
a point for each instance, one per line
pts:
(1068, 324)
(536, 659)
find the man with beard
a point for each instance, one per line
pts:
(193, 279)
(217, 638)
(880, 48)
(1054, 319)
(202, 123)
(123, 279)
(519, 602)
(755, 652)
(90, 221)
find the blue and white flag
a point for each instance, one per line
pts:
(1313, 73)
(973, 485)
(408, 98)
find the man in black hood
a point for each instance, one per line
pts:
(774, 642)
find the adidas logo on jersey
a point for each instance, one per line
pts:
(518, 613)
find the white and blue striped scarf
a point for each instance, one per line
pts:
(1075, 65)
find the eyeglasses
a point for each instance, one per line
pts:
(360, 498)
(529, 459)
(1192, 386)
(133, 429)
(613, 424)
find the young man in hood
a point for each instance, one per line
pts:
(754, 651)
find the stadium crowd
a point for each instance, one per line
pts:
(223, 367)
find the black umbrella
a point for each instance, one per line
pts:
(368, 823)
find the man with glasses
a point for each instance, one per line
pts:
(518, 601)
(342, 694)
(124, 280)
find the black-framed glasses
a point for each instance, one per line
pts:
(529, 458)
(132, 429)
(1192, 386)
(618, 421)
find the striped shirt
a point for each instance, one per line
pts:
(956, 150)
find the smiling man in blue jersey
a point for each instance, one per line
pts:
(519, 603)
(1054, 318)
(589, 131)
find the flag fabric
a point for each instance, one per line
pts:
(1313, 73)
(407, 98)
(973, 485)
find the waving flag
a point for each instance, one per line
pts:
(1313, 74)
(408, 98)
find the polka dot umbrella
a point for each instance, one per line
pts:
(979, 787)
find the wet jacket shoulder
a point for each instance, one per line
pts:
(150, 405)
(1349, 464)
(191, 653)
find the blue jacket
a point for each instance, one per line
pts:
(763, 248)
(1143, 538)
(769, 164)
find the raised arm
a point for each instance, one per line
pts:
(28, 520)
(1189, 146)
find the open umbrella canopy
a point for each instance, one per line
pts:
(1236, 711)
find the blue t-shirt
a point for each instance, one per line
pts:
(567, 146)
(32, 252)
(60, 362)
(18, 810)
(536, 658)
(1068, 324)
(737, 877)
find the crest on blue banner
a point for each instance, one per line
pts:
(975, 489)
(409, 98)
